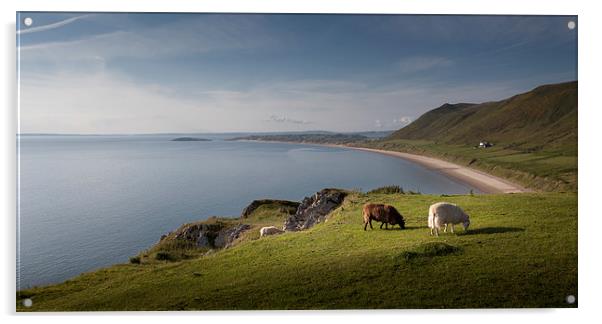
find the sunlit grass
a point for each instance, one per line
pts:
(520, 251)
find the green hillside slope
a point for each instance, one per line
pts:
(508, 258)
(534, 136)
(544, 118)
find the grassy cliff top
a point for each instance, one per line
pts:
(521, 251)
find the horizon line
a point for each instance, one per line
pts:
(193, 133)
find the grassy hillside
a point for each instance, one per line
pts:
(542, 119)
(521, 251)
(534, 136)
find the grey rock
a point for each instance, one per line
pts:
(314, 209)
(225, 238)
(212, 236)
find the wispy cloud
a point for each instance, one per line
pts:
(395, 123)
(186, 37)
(50, 26)
(423, 63)
(284, 119)
(402, 121)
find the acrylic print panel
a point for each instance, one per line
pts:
(282, 161)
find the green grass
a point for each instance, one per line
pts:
(544, 170)
(521, 251)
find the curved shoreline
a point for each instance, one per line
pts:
(487, 183)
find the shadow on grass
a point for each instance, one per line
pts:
(415, 227)
(492, 230)
(396, 228)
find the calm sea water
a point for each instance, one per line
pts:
(92, 201)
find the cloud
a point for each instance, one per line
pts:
(283, 119)
(402, 121)
(185, 37)
(423, 63)
(105, 101)
(395, 123)
(50, 26)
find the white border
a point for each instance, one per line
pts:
(590, 105)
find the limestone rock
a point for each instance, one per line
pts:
(314, 209)
(212, 236)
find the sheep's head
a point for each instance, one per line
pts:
(402, 223)
(395, 217)
(398, 219)
(466, 223)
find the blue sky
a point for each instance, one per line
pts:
(148, 73)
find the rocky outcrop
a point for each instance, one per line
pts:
(213, 236)
(227, 237)
(286, 206)
(314, 209)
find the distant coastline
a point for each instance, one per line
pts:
(190, 139)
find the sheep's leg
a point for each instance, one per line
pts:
(371, 224)
(431, 231)
(445, 229)
(381, 225)
(365, 225)
(436, 231)
(452, 228)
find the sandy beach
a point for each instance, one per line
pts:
(485, 182)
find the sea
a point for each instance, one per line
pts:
(87, 202)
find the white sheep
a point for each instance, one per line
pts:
(443, 213)
(270, 230)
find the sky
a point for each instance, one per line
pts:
(119, 73)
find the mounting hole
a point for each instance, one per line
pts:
(570, 299)
(571, 25)
(28, 21)
(27, 302)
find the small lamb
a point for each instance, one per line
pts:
(270, 230)
(443, 213)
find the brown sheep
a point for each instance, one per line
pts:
(382, 213)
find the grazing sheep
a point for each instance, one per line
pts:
(270, 230)
(443, 213)
(382, 213)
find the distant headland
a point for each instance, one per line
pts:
(190, 139)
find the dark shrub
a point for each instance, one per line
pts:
(135, 260)
(425, 252)
(436, 249)
(387, 190)
(164, 256)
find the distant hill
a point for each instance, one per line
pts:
(544, 118)
(190, 139)
(328, 138)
